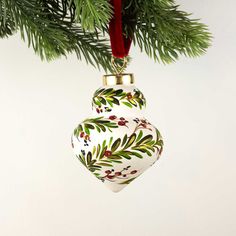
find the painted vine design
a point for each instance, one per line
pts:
(110, 97)
(115, 150)
(125, 174)
(101, 124)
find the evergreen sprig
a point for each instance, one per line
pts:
(7, 24)
(163, 31)
(48, 27)
(57, 28)
(92, 14)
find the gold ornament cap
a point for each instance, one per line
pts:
(119, 79)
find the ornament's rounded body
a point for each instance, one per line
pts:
(117, 143)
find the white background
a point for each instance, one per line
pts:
(45, 191)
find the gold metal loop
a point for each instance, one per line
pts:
(119, 69)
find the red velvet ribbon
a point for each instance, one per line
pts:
(120, 45)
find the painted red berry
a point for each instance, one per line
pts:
(110, 176)
(117, 173)
(112, 117)
(129, 96)
(121, 123)
(108, 172)
(133, 172)
(97, 110)
(81, 134)
(107, 153)
(86, 137)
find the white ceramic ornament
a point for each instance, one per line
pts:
(117, 144)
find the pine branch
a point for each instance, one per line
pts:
(51, 32)
(163, 31)
(56, 28)
(92, 14)
(7, 25)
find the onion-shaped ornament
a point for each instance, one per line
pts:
(117, 143)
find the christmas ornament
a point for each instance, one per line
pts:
(117, 143)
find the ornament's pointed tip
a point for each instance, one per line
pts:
(115, 191)
(114, 187)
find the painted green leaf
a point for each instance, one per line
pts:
(104, 164)
(92, 162)
(145, 139)
(110, 103)
(151, 143)
(96, 101)
(133, 102)
(86, 130)
(98, 150)
(140, 101)
(94, 150)
(160, 143)
(140, 149)
(117, 161)
(102, 121)
(136, 94)
(78, 130)
(115, 157)
(130, 141)
(110, 142)
(98, 91)
(103, 100)
(115, 101)
(88, 126)
(118, 92)
(124, 140)
(98, 129)
(125, 155)
(102, 152)
(94, 168)
(149, 147)
(127, 104)
(102, 127)
(89, 158)
(107, 91)
(137, 155)
(123, 95)
(140, 135)
(115, 145)
(104, 144)
(75, 132)
(149, 153)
